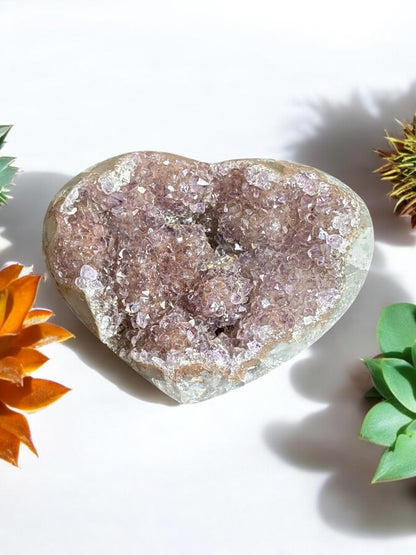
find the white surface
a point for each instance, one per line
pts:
(274, 467)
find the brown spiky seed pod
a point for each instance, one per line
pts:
(400, 169)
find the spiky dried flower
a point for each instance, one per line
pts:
(23, 330)
(400, 169)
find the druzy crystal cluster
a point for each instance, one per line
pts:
(204, 276)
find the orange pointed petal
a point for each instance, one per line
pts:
(4, 295)
(9, 274)
(29, 359)
(11, 370)
(6, 344)
(37, 316)
(41, 334)
(22, 294)
(9, 447)
(22, 330)
(16, 424)
(32, 395)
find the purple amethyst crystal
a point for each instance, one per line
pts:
(202, 276)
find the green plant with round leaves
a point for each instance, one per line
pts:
(392, 421)
(7, 171)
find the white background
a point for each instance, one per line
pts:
(275, 467)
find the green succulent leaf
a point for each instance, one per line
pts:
(6, 161)
(392, 422)
(7, 171)
(375, 367)
(383, 423)
(399, 461)
(396, 330)
(395, 380)
(400, 378)
(411, 428)
(414, 353)
(372, 393)
(4, 129)
(6, 176)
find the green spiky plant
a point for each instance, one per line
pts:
(7, 171)
(400, 169)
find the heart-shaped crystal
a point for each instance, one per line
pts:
(203, 277)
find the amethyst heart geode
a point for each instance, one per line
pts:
(203, 277)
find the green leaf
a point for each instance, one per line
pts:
(4, 129)
(6, 161)
(414, 353)
(400, 378)
(7, 175)
(396, 330)
(376, 371)
(7, 172)
(372, 393)
(399, 461)
(411, 428)
(383, 422)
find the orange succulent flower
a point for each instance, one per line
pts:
(22, 330)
